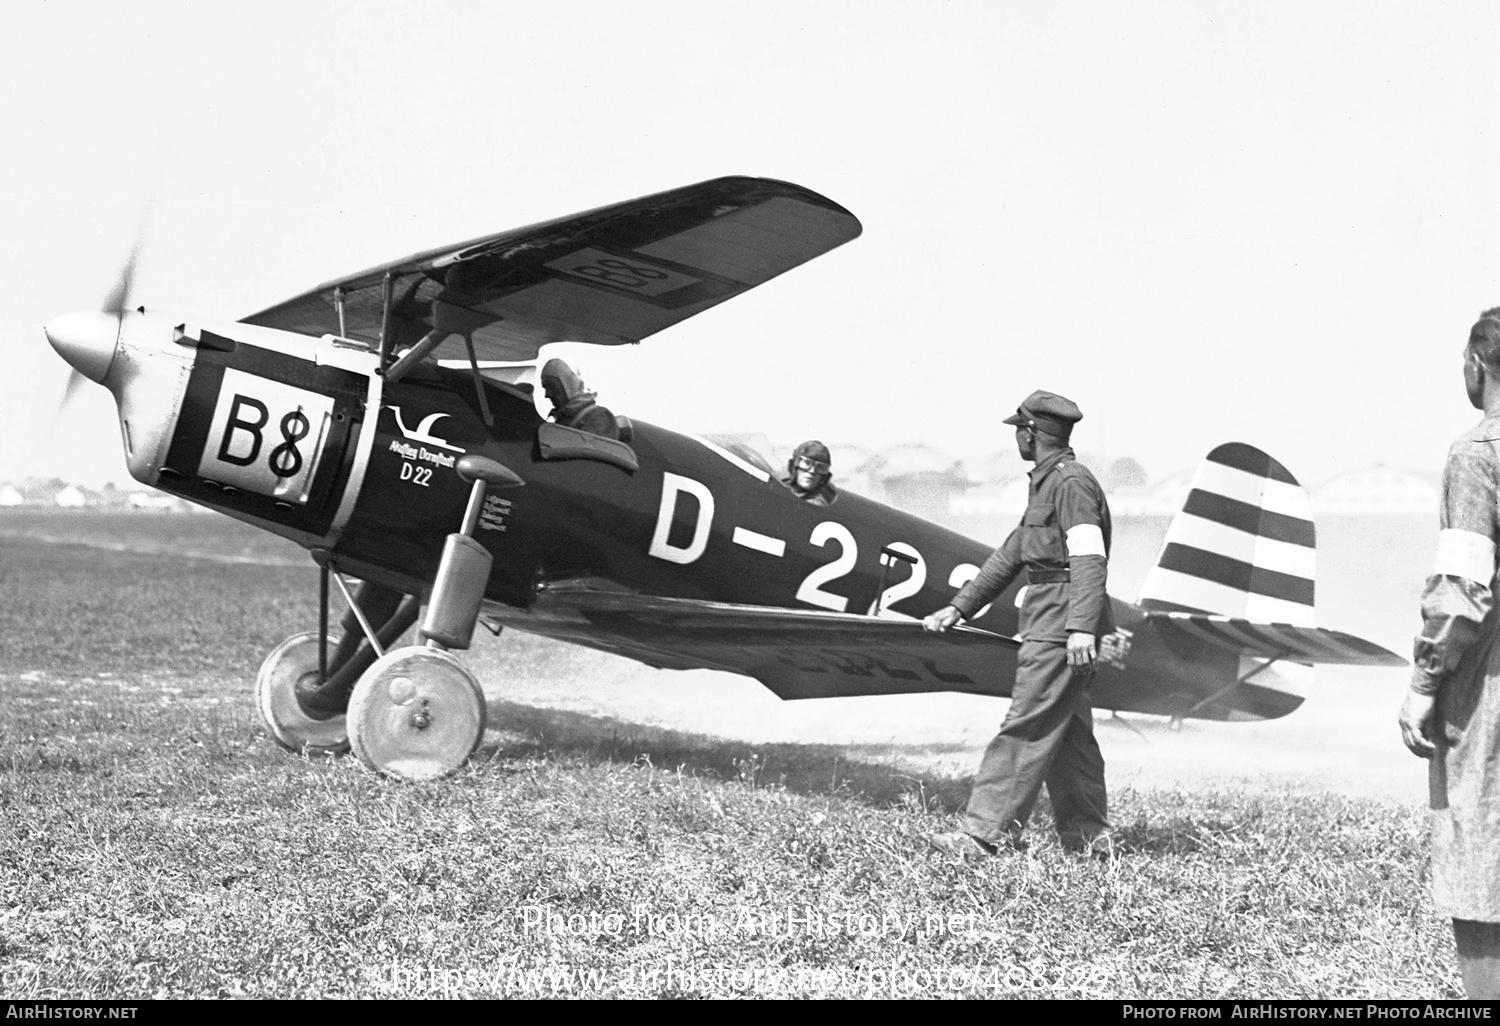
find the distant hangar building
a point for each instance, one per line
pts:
(1378, 491)
(1002, 499)
(1369, 491)
(917, 478)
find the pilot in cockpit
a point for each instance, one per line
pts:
(809, 473)
(573, 404)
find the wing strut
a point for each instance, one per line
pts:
(447, 320)
(415, 355)
(484, 402)
(386, 342)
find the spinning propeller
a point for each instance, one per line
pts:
(87, 338)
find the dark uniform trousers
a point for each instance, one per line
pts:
(1047, 736)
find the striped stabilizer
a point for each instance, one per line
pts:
(1275, 640)
(1241, 547)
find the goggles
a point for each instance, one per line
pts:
(808, 466)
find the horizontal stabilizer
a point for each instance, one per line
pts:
(797, 653)
(1274, 640)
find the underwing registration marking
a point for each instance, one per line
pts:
(632, 275)
(266, 437)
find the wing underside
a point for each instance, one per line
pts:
(608, 276)
(795, 653)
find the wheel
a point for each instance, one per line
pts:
(293, 660)
(417, 714)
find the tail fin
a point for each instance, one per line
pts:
(1242, 545)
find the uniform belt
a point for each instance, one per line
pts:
(1059, 576)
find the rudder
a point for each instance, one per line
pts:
(1243, 544)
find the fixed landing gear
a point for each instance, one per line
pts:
(417, 714)
(413, 713)
(292, 663)
(300, 701)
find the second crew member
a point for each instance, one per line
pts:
(809, 473)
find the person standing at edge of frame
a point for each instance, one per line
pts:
(1062, 543)
(1451, 715)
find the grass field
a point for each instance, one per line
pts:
(154, 842)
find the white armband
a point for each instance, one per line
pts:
(1465, 554)
(1087, 540)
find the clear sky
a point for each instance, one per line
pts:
(1267, 222)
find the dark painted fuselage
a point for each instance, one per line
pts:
(665, 514)
(693, 521)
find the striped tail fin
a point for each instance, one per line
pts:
(1242, 545)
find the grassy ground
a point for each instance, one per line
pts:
(154, 842)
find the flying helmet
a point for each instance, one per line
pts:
(815, 453)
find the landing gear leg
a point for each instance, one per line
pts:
(301, 704)
(380, 605)
(393, 611)
(418, 713)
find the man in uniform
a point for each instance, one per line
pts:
(1062, 545)
(809, 473)
(573, 404)
(1452, 712)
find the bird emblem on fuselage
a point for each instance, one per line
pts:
(423, 432)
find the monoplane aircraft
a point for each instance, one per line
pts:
(387, 422)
